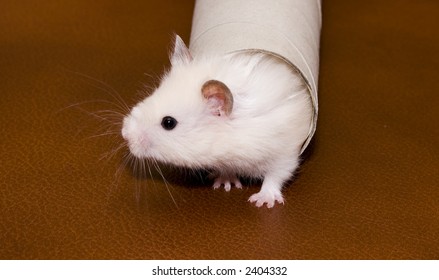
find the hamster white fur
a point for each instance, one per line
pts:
(258, 133)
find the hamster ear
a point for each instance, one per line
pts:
(180, 54)
(218, 96)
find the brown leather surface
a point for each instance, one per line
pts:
(367, 190)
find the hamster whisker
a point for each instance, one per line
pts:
(96, 101)
(150, 173)
(165, 181)
(135, 166)
(120, 102)
(107, 133)
(126, 159)
(138, 181)
(93, 114)
(110, 154)
(109, 120)
(143, 168)
(110, 125)
(106, 129)
(111, 113)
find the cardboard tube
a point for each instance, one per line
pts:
(288, 29)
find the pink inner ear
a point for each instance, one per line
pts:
(219, 98)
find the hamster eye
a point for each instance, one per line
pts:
(169, 123)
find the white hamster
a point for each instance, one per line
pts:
(235, 115)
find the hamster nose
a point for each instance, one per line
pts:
(127, 123)
(124, 133)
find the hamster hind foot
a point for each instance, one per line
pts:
(227, 181)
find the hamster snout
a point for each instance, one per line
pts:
(130, 124)
(136, 138)
(125, 131)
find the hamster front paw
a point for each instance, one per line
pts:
(267, 196)
(227, 181)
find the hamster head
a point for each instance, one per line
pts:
(172, 124)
